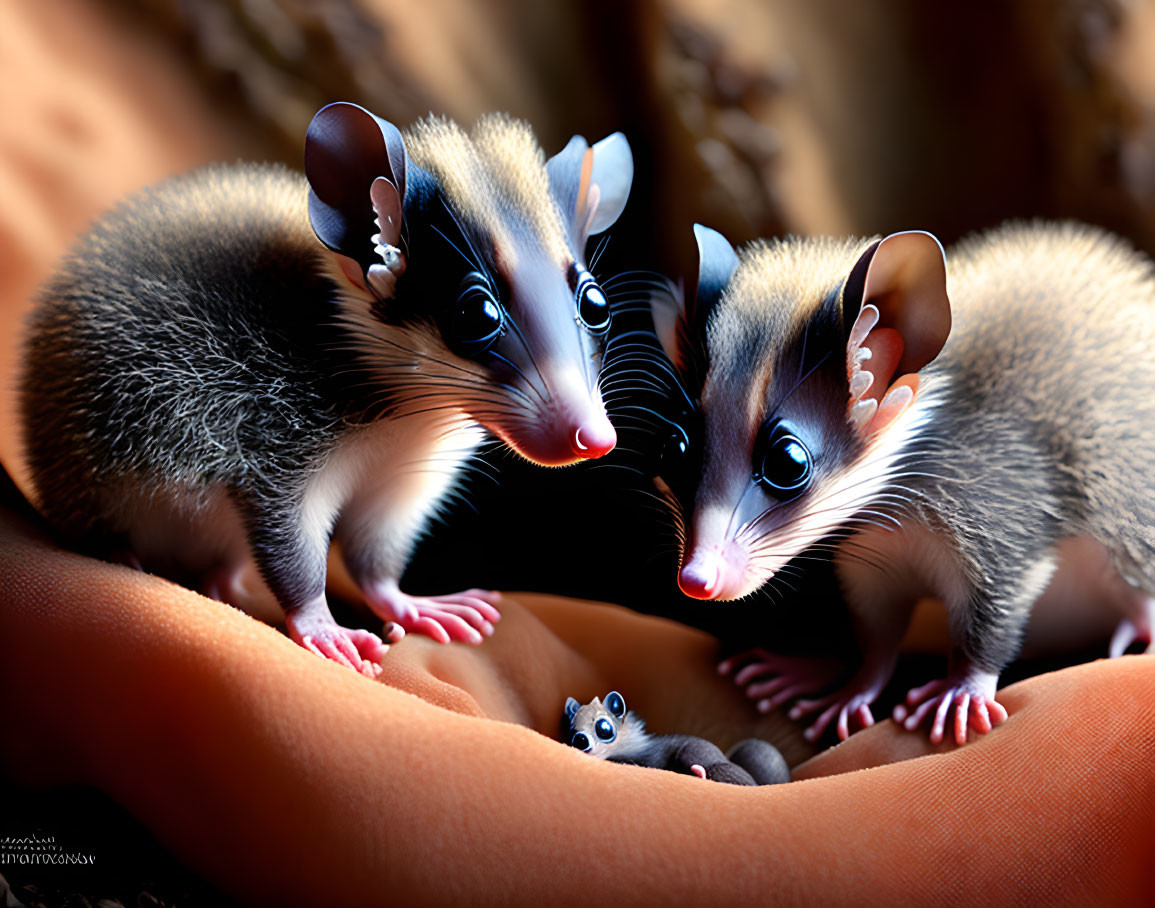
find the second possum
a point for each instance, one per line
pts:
(961, 427)
(210, 386)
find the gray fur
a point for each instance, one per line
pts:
(177, 351)
(1039, 421)
(205, 381)
(1045, 420)
(750, 762)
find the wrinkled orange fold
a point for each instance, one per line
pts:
(283, 778)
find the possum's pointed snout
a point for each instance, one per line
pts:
(701, 576)
(716, 565)
(715, 573)
(563, 437)
(568, 424)
(594, 437)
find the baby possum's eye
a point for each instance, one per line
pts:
(479, 320)
(605, 730)
(581, 741)
(615, 703)
(592, 306)
(782, 463)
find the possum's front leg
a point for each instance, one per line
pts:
(377, 531)
(881, 612)
(968, 690)
(987, 623)
(291, 552)
(880, 604)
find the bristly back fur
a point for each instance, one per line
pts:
(165, 349)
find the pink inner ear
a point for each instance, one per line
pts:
(582, 213)
(885, 346)
(898, 397)
(387, 206)
(872, 356)
(351, 270)
(593, 198)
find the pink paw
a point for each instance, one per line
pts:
(467, 617)
(773, 680)
(360, 650)
(851, 705)
(971, 696)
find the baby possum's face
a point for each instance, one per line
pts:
(594, 728)
(801, 427)
(775, 435)
(514, 299)
(495, 312)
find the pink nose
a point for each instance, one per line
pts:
(701, 577)
(594, 438)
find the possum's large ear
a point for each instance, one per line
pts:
(680, 315)
(355, 164)
(571, 708)
(591, 185)
(896, 307)
(717, 262)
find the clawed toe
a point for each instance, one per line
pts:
(970, 699)
(854, 709)
(467, 617)
(362, 656)
(313, 627)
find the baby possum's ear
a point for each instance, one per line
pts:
(571, 708)
(591, 185)
(355, 163)
(897, 315)
(680, 316)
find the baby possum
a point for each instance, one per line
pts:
(603, 729)
(209, 387)
(947, 427)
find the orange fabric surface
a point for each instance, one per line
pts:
(287, 779)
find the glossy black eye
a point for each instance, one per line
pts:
(592, 306)
(479, 319)
(581, 741)
(782, 462)
(605, 730)
(615, 703)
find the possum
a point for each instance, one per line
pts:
(242, 365)
(604, 729)
(952, 427)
